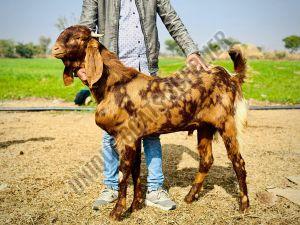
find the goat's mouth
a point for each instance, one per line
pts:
(58, 55)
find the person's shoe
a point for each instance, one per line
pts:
(107, 196)
(160, 199)
(88, 100)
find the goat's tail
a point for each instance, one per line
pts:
(240, 104)
(240, 64)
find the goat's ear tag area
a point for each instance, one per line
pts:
(68, 76)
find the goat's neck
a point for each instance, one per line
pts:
(114, 73)
(98, 92)
(117, 73)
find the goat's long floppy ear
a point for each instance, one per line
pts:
(93, 62)
(68, 76)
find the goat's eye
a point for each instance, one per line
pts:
(78, 38)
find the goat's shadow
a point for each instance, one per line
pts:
(6, 144)
(175, 177)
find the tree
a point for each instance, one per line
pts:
(63, 22)
(27, 50)
(292, 43)
(172, 46)
(7, 48)
(44, 44)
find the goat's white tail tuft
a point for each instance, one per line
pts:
(241, 112)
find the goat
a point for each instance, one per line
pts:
(132, 105)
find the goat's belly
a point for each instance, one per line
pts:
(173, 129)
(153, 121)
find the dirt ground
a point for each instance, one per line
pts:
(41, 152)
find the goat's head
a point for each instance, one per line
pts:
(78, 48)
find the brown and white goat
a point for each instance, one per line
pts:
(132, 105)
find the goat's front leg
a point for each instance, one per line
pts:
(126, 159)
(137, 202)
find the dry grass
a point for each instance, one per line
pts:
(57, 145)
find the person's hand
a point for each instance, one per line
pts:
(82, 74)
(197, 61)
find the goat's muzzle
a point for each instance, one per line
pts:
(58, 52)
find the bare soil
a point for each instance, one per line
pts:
(41, 152)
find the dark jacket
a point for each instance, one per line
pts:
(103, 15)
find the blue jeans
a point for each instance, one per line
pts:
(152, 150)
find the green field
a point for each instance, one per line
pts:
(275, 81)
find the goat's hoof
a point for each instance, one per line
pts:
(116, 213)
(189, 199)
(136, 205)
(244, 205)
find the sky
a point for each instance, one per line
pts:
(261, 22)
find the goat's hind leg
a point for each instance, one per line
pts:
(137, 202)
(205, 137)
(126, 160)
(229, 135)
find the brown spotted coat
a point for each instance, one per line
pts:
(132, 105)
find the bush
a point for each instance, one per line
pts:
(27, 50)
(280, 55)
(7, 49)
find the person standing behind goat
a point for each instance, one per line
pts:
(129, 29)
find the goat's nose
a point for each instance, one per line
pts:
(55, 48)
